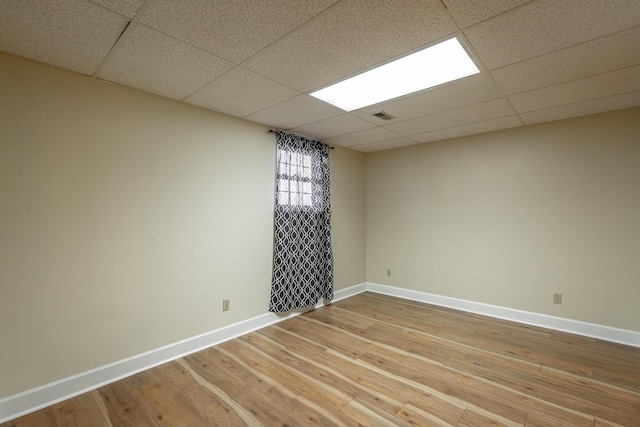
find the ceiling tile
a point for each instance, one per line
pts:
(600, 86)
(547, 59)
(362, 137)
(607, 53)
(231, 29)
(384, 145)
(350, 37)
(466, 91)
(602, 105)
(149, 60)
(72, 34)
(467, 13)
(334, 126)
(543, 26)
(470, 129)
(457, 117)
(295, 112)
(128, 8)
(240, 92)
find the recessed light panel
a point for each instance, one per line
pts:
(435, 65)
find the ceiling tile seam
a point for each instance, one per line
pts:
(581, 102)
(275, 105)
(439, 112)
(375, 125)
(384, 140)
(123, 35)
(289, 99)
(188, 44)
(107, 57)
(459, 125)
(394, 132)
(576, 80)
(346, 113)
(354, 147)
(241, 67)
(485, 21)
(446, 11)
(208, 83)
(128, 29)
(485, 69)
(506, 98)
(296, 126)
(143, 9)
(560, 50)
(450, 15)
(563, 48)
(350, 113)
(113, 11)
(288, 34)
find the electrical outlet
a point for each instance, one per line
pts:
(557, 298)
(388, 272)
(225, 305)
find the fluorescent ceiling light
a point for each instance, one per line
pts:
(435, 65)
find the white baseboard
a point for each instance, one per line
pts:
(607, 333)
(40, 397)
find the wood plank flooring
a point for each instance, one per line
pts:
(374, 360)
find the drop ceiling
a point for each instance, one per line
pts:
(540, 60)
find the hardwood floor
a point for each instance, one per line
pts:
(374, 360)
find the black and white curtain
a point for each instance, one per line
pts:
(302, 260)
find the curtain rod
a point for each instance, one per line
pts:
(277, 132)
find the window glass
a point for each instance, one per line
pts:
(295, 187)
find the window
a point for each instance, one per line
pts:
(302, 254)
(295, 184)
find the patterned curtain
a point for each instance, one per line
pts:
(302, 260)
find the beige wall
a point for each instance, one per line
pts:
(348, 216)
(510, 217)
(126, 218)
